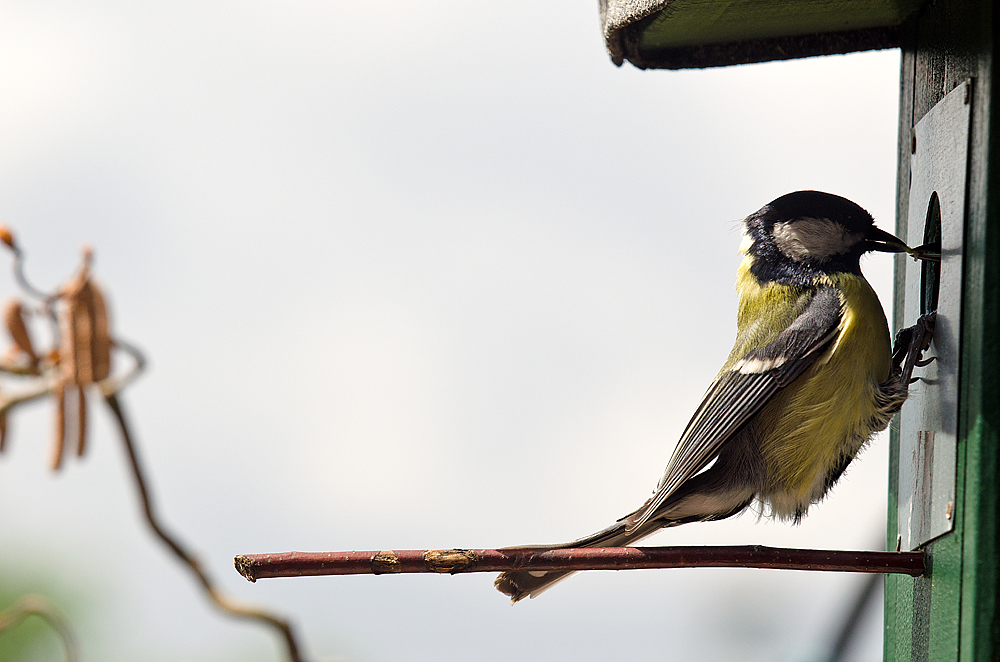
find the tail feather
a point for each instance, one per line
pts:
(520, 584)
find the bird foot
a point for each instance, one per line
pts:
(911, 343)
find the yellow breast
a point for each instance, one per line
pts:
(811, 426)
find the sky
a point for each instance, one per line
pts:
(410, 275)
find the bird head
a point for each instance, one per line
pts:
(802, 235)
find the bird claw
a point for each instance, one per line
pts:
(910, 345)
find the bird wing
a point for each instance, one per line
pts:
(742, 391)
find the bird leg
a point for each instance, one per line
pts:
(910, 344)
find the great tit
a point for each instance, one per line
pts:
(811, 378)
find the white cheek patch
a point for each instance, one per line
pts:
(813, 239)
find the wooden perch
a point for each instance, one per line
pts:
(453, 561)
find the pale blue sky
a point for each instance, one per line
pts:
(411, 275)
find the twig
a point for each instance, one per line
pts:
(48, 612)
(223, 602)
(113, 384)
(453, 561)
(83, 358)
(13, 399)
(45, 298)
(22, 279)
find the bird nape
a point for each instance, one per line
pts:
(811, 378)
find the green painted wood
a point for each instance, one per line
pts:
(680, 34)
(699, 22)
(954, 612)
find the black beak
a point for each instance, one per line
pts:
(880, 240)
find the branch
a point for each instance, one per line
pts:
(223, 602)
(453, 561)
(48, 612)
(111, 385)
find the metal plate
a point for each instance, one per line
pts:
(928, 421)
